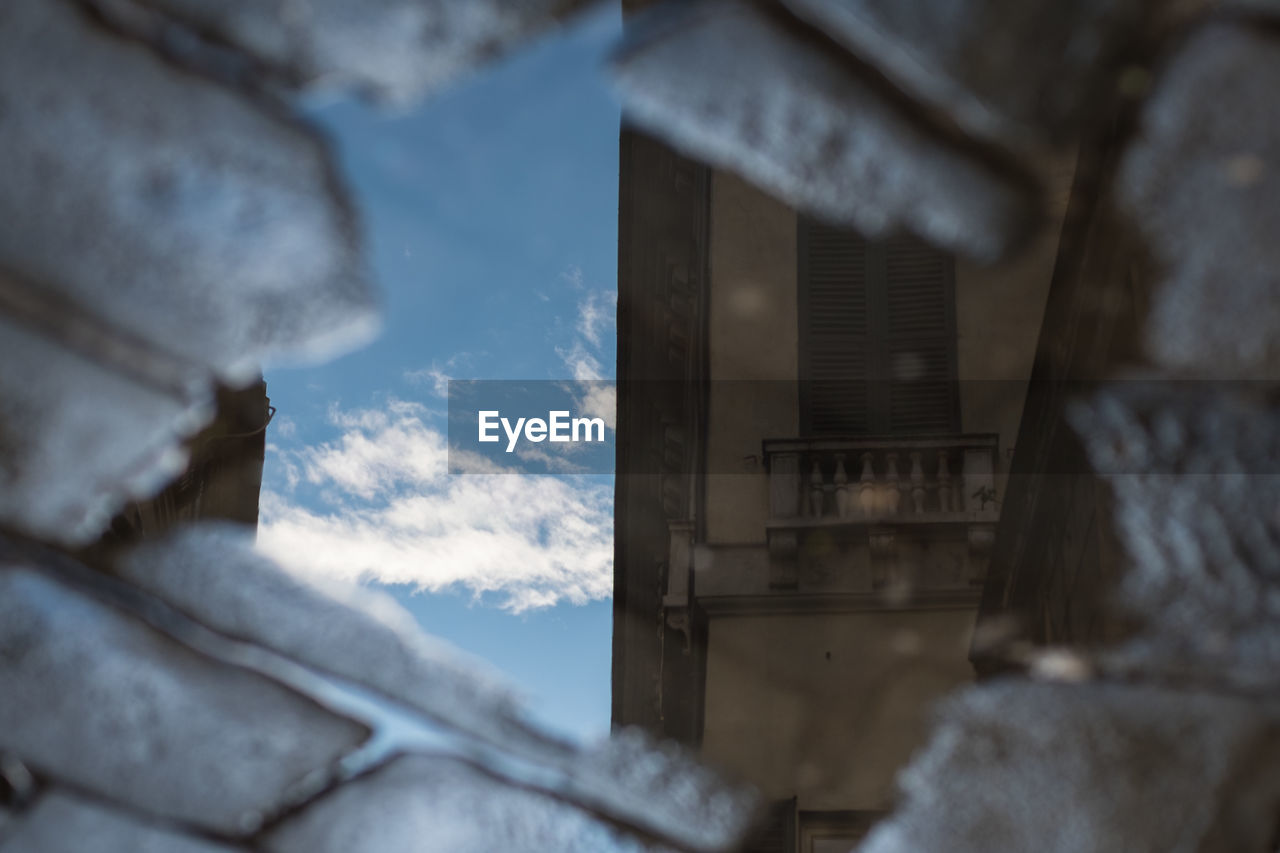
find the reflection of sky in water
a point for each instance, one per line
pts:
(491, 220)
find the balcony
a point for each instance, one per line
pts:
(892, 487)
(834, 481)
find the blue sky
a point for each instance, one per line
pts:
(490, 214)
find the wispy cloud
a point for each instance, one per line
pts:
(284, 426)
(582, 364)
(437, 374)
(597, 315)
(574, 278)
(597, 318)
(395, 516)
(433, 376)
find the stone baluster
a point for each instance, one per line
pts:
(945, 495)
(867, 487)
(917, 482)
(844, 499)
(815, 491)
(893, 484)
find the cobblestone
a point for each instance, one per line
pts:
(99, 700)
(83, 440)
(1089, 768)
(1009, 70)
(62, 823)
(428, 804)
(730, 85)
(211, 573)
(395, 49)
(1203, 182)
(1195, 471)
(216, 219)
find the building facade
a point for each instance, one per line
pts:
(222, 480)
(813, 445)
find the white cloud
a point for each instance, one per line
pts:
(390, 512)
(288, 468)
(557, 463)
(582, 365)
(397, 517)
(595, 397)
(597, 314)
(437, 375)
(573, 277)
(284, 426)
(597, 317)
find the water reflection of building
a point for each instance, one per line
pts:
(809, 486)
(223, 476)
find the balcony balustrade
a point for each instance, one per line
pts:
(883, 484)
(832, 481)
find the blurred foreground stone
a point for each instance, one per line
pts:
(158, 729)
(60, 823)
(396, 50)
(179, 717)
(1068, 769)
(732, 85)
(1203, 181)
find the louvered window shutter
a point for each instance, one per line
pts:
(835, 343)
(920, 339)
(877, 335)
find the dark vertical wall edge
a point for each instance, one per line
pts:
(662, 393)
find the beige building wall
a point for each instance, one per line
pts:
(754, 329)
(828, 707)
